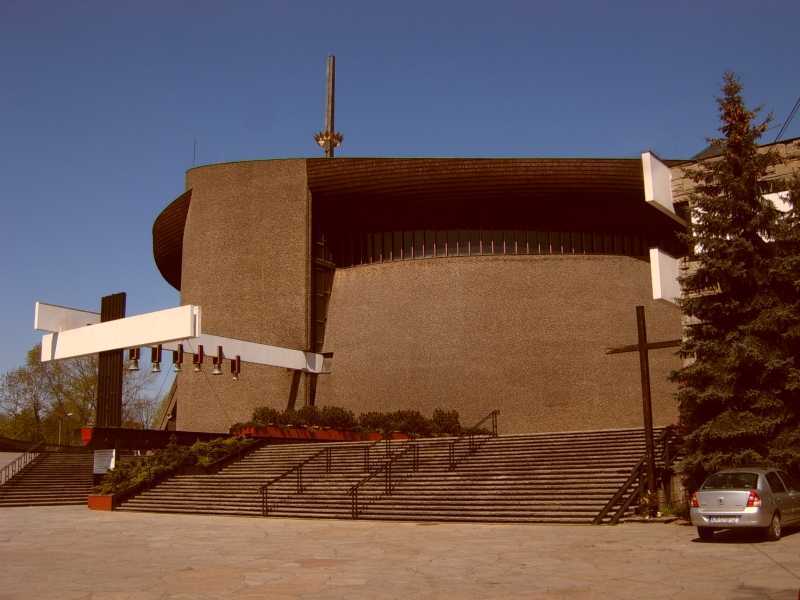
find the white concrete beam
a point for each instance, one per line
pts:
(664, 270)
(142, 330)
(181, 325)
(658, 186)
(53, 318)
(250, 352)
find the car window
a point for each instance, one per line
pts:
(775, 483)
(790, 481)
(731, 481)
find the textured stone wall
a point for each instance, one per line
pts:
(245, 262)
(525, 334)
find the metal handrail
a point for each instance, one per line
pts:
(636, 477)
(18, 464)
(386, 469)
(368, 447)
(298, 468)
(470, 435)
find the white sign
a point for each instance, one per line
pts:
(104, 461)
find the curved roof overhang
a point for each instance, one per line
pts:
(168, 238)
(469, 177)
(482, 192)
(381, 189)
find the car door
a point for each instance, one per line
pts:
(794, 495)
(780, 496)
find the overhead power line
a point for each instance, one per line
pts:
(788, 120)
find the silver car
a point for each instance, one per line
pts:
(766, 499)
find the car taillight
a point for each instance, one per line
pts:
(753, 499)
(695, 501)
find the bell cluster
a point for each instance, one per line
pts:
(198, 357)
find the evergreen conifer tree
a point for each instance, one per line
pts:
(739, 395)
(784, 318)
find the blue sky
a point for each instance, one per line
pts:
(100, 103)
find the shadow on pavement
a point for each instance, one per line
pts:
(747, 592)
(739, 536)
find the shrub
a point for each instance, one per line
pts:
(407, 421)
(445, 422)
(264, 415)
(206, 453)
(338, 417)
(289, 417)
(309, 415)
(411, 422)
(374, 421)
(130, 473)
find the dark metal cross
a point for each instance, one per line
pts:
(109, 368)
(329, 138)
(643, 348)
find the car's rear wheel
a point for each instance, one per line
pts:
(773, 533)
(705, 533)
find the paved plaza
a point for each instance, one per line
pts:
(73, 553)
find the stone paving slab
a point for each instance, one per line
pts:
(72, 553)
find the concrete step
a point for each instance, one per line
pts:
(51, 479)
(558, 477)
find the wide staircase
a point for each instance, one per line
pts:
(51, 478)
(545, 478)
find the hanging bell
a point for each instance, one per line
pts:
(155, 359)
(177, 358)
(197, 359)
(217, 360)
(133, 358)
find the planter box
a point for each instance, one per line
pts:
(329, 435)
(102, 502)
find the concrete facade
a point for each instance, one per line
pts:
(245, 249)
(524, 333)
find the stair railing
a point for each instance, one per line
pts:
(298, 470)
(390, 470)
(18, 464)
(638, 477)
(469, 435)
(369, 447)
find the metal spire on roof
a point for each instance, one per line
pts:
(329, 138)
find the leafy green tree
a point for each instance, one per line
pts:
(737, 392)
(41, 398)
